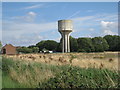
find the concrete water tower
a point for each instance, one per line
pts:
(65, 27)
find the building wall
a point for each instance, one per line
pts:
(10, 49)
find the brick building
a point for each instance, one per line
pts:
(9, 49)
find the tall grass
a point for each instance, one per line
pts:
(26, 74)
(23, 74)
(75, 77)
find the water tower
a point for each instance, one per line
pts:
(65, 27)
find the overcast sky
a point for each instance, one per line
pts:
(27, 23)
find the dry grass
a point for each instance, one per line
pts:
(107, 60)
(30, 80)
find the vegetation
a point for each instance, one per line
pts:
(100, 44)
(74, 77)
(0, 45)
(21, 74)
(24, 74)
(73, 44)
(48, 44)
(113, 42)
(85, 45)
(96, 44)
(30, 49)
(24, 50)
(35, 49)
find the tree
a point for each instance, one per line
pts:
(100, 44)
(73, 44)
(40, 45)
(24, 50)
(59, 47)
(113, 42)
(34, 48)
(51, 45)
(85, 45)
(48, 44)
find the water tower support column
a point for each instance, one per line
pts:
(68, 43)
(65, 27)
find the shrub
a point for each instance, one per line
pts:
(75, 77)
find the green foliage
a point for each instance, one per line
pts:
(72, 57)
(100, 44)
(30, 49)
(34, 49)
(75, 77)
(7, 82)
(85, 45)
(73, 44)
(113, 42)
(40, 45)
(59, 47)
(96, 44)
(48, 44)
(24, 50)
(6, 64)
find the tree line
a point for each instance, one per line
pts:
(84, 44)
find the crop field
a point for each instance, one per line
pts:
(57, 70)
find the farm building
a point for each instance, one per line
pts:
(9, 49)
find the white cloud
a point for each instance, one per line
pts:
(25, 33)
(91, 21)
(108, 27)
(28, 27)
(29, 17)
(108, 32)
(107, 24)
(32, 13)
(34, 6)
(15, 32)
(23, 39)
(91, 29)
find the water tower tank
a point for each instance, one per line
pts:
(65, 25)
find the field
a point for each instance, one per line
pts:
(69, 70)
(107, 60)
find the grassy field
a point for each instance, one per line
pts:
(70, 70)
(107, 60)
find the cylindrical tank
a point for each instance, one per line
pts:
(65, 25)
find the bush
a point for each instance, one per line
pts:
(24, 50)
(75, 77)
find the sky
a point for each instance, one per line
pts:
(27, 23)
